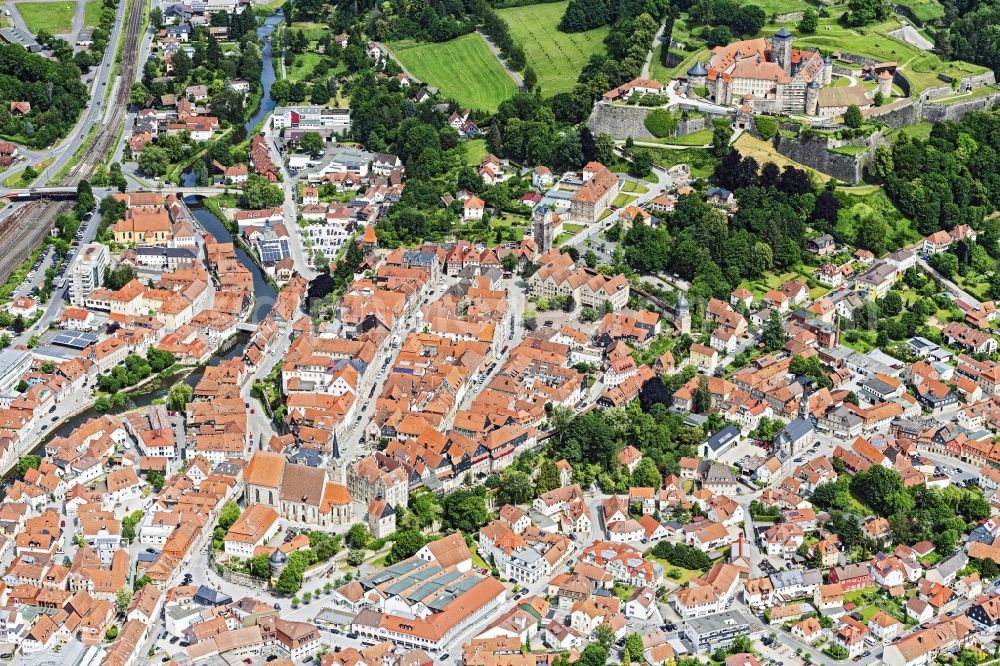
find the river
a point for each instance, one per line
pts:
(264, 297)
(264, 33)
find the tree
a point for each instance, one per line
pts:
(118, 277)
(27, 462)
(154, 161)
(465, 510)
(112, 632)
(156, 19)
(721, 135)
(359, 536)
(138, 94)
(141, 582)
(646, 475)
(853, 117)
(774, 333)
(548, 477)
(701, 401)
(515, 488)
(604, 636)
(155, 479)
(258, 193)
(312, 143)
(290, 579)
(123, 598)
(179, 396)
(406, 545)
(530, 79)
(593, 655)
(809, 21)
(641, 165)
(260, 566)
(945, 263)
(229, 514)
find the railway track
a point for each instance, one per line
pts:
(27, 228)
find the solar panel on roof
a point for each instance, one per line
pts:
(75, 339)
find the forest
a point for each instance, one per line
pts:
(53, 88)
(952, 178)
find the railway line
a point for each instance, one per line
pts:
(27, 228)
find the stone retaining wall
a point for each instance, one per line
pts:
(621, 122)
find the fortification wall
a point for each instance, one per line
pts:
(621, 122)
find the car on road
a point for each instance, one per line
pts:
(353, 635)
(45, 427)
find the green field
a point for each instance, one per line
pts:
(925, 10)
(772, 7)
(302, 66)
(699, 138)
(463, 69)
(55, 18)
(92, 13)
(475, 151)
(557, 57)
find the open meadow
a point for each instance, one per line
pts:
(463, 68)
(557, 57)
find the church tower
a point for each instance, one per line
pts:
(781, 50)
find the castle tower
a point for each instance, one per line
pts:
(812, 98)
(697, 76)
(683, 322)
(885, 84)
(781, 49)
(827, 71)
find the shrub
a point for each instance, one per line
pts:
(766, 127)
(660, 123)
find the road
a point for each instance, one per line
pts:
(503, 62)
(64, 151)
(652, 52)
(956, 291)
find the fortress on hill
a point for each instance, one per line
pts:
(768, 75)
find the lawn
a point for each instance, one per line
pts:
(985, 91)
(688, 58)
(699, 138)
(312, 31)
(463, 69)
(634, 187)
(55, 18)
(475, 151)
(92, 13)
(303, 65)
(925, 10)
(763, 152)
(557, 57)
(701, 162)
(779, 7)
(683, 575)
(621, 201)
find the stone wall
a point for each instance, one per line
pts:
(687, 126)
(621, 122)
(938, 112)
(813, 153)
(899, 113)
